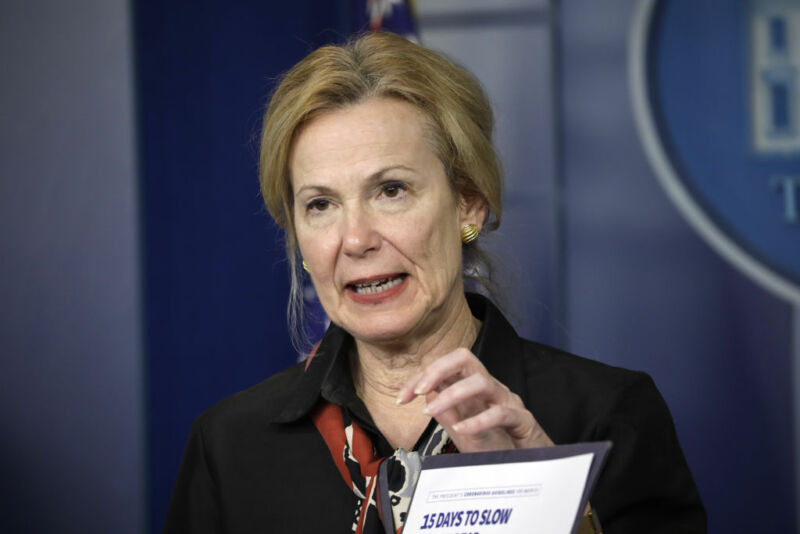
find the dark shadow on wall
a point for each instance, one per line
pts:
(215, 277)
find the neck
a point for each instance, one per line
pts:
(379, 371)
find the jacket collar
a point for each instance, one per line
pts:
(295, 401)
(498, 346)
(327, 375)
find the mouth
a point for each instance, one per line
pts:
(376, 285)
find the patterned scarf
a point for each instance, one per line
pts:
(358, 463)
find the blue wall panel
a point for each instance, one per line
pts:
(215, 278)
(646, 292)
(71, 453)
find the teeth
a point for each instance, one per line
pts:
(377, 286)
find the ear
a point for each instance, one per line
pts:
(472, 210)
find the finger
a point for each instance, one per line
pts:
(491, 418)
(461, 362)
(432, 377)
(406, 393)
(518, 424)
(446, 418)
(475, 434)
(477, 391)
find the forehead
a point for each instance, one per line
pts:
(377, 131)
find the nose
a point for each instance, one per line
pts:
(360, 235)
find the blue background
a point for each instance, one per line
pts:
(215, 278)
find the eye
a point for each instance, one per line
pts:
(318, 204)
(392, 189)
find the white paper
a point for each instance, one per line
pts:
(509, 498)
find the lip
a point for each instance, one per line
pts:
(376, 298)
(373, 278)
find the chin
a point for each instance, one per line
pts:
(382, 330)
(381, 334)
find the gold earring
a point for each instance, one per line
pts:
(305, 266)
(469, 233)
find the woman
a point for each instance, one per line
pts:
(377, 160)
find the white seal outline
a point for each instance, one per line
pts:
(669, 179)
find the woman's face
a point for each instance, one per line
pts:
(377, 221)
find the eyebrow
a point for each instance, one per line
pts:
(371, 180)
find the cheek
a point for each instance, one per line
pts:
(315, 249)
(439, 247)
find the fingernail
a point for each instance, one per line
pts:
(420, 388)
(456, 427)
(398, 400)
(432, 408)
(426, 411)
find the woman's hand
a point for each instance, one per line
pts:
(478, 412)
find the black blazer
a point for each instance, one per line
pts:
(255, 462)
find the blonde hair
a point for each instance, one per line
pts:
(458, 113)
